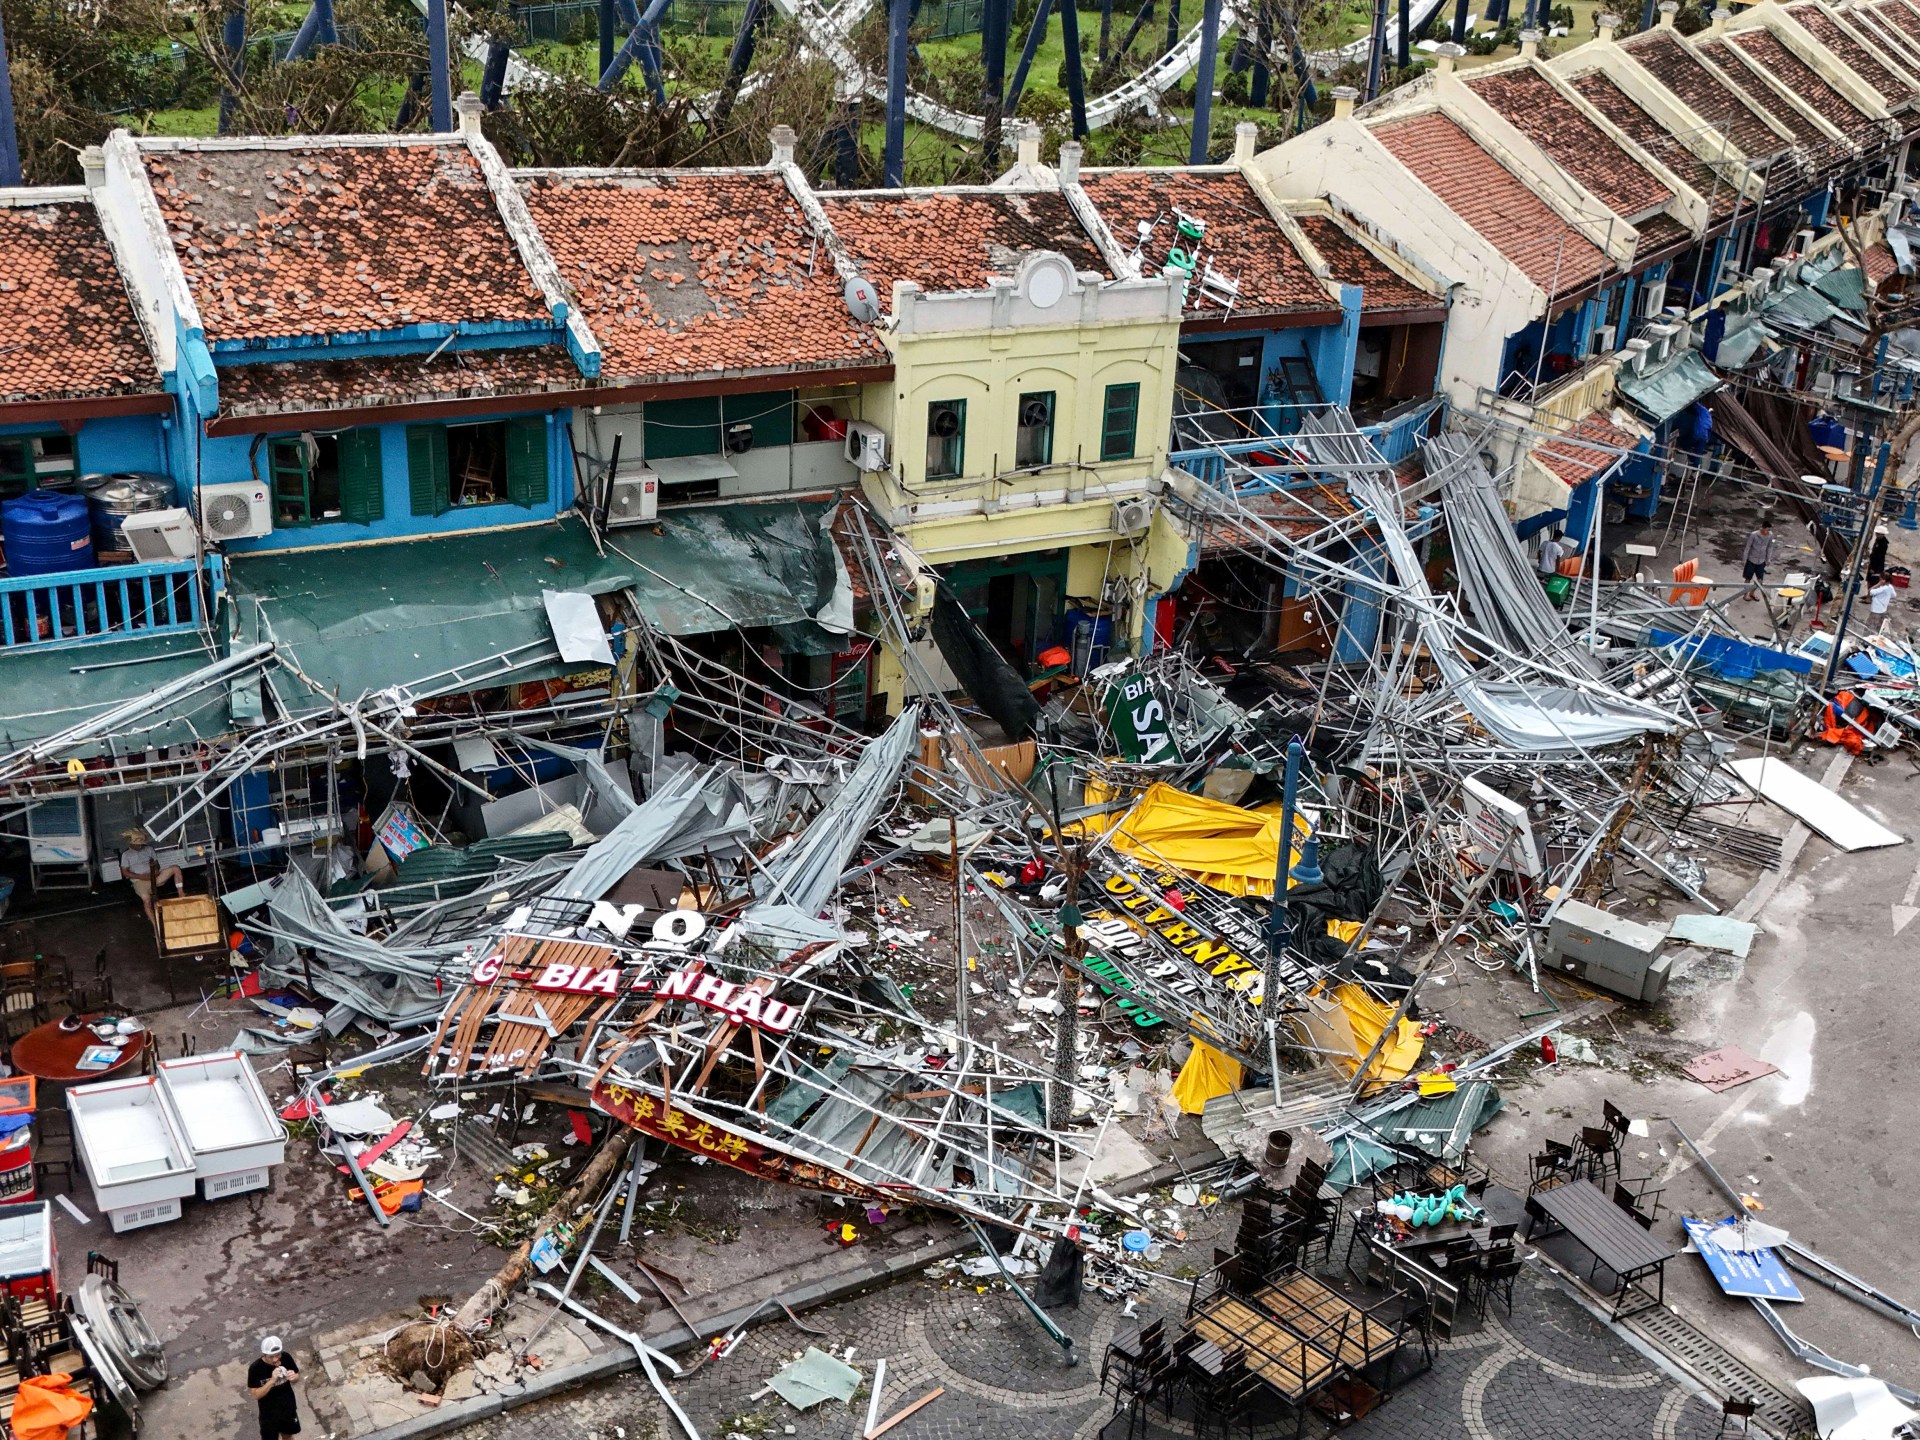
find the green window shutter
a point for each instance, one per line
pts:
(427, 469)
(675, 428)
(527, 461)
(361, 500)
(1119, 422)
(771, 416)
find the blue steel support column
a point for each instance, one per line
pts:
(996, 22)
(1376, 48)
(641, 45)
(1076, 80)
(1203, 83)
(493, 79)
(1646, 14)
(744, 41)
(1036, 37)
(233, 39)
(1173, 24)
(9, 141)
(899, 21)
(1262, 80)
(441, 67)
(316, 29)
(1460, 21)
(606, 36)
(846, 136)
(1402, 52)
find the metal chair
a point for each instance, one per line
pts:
(52, 1147)
(1735, 1409)
(1598, 1153)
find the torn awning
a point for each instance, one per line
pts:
(358, 619)
(46, 690)
(1666, 392)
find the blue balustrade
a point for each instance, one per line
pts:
(109, 602)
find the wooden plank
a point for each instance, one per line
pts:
(925, 1400)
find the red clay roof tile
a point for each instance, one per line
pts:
(1603, 92)
(1243, 241)
(955, 239)
(1590, 447)
(332, 239)
(1717, 55)
(697, 273)
(1880, 264)
(1529, 101)
(1851, 53)
(1705, 91)
(70, 330)
(1770, 52)
(1902, 16)
(292, 386)
(1895, 43)
(1352, 263)
(1493, 200)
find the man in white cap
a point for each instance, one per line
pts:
(270, 1380)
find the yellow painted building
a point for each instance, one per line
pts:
(1025, 449)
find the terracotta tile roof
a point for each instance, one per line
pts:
(1659, 233)
(1716, 53)
(69, 329)
(700, 273)
(955, 239)
(1880, 264)
(1352, 263)
(1705, 91)
(291, 386)
(1770, 52)
(1900, 15)
(1900, 47)
(1605, 95)
(1539, 111)
(1851, 53)
(1493, 200)
(1243, 241)
(331, 239)
(1590, 447)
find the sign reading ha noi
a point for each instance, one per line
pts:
(654, 1116)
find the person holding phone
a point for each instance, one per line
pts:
(270, 1380)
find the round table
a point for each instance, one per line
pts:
(50, 1053)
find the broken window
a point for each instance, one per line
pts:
(1033, 441)
(946, 439)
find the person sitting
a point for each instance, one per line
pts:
(142, 870)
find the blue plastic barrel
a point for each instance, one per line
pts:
(46, 532)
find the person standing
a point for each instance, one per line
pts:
(142, 869)
(1880, 601)
(270, 1380)
(1551, 554)
(1756, 557)
(1877, 556)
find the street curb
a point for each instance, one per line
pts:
(867, 1276)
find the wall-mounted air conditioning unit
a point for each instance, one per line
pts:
(242, 511)
(866, 446)
(1602, 343)
(1653, 299)
(634, 498)
(157, 536)
(1132, 516)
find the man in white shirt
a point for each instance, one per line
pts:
(1551, 554)
(143, 870)
(1880, 601)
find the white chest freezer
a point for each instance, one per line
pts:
(134, 1148)
(232, 1130)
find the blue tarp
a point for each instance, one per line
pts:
(1731, 659)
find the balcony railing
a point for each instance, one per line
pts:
(113, 602)
(1395, 435)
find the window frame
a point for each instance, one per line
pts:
(1130, 389)
(26, 438)
(956, 443)
(1020, 431)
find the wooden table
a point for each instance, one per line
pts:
(1289, 1366)
(1310, 1308)
(1609, 1234)
(51, 1053)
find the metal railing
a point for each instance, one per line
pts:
(112, 602)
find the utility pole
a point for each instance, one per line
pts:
(1066, 1055)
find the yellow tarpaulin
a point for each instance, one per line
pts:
(1207, 1075)
(1220, 845)
(1347, 1021)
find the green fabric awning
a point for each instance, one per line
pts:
(1665, 393)
(46, 691)
(362, 618)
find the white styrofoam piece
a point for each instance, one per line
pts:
(1806, 799)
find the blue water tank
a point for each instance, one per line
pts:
(46, 532)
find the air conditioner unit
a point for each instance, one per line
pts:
(1132, 516)
(157, 536)
(235, 512)
(1602, 340)
(866, 446)
(1653, 299)
(634, 498)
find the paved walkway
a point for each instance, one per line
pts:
(1550, 1372)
